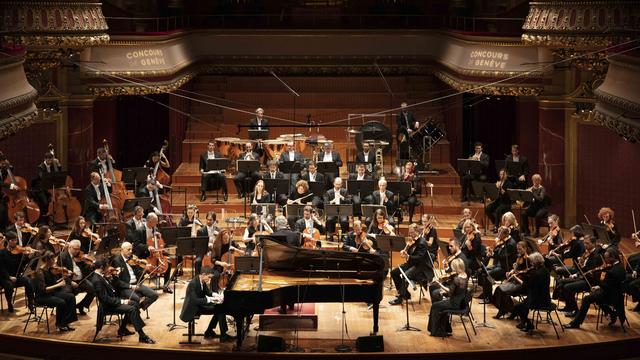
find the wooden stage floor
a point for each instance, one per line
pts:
(359, 323)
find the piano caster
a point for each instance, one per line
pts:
(343, 348)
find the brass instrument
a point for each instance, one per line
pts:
(315, 155)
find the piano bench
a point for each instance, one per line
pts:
(191, 332)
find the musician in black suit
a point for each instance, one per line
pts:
(274, 173)
(81, 275)
(466, 179)
(210, 230)
(537, 292)
(50, 165)
(112, 303)
(211, 181)
(309, 220)
(200, 300)
(19, 222)
(504, 255)
(128, 281)
(150, 190)
(259, 122)
(383, 197)
(406, 124)
(353, 242)
(11, 272)
(502, 204)
(358, 199)
(538, 208)
(336, 196)
(282, 229)
(454, 253)
(416, 188)
(416, 268)
(93, 194)
(328, 155)
(519, 179)
(241, 177)
(289, 153)
(366, 156)
(608, 295)
(101, 162)
(137, 233)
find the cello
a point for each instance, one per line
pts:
(63, 206)
(157, 259)
(18, 199)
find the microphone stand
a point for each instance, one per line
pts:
(342, 347)
(173, 325)
(407, 326)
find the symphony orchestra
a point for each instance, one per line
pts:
(122, 239)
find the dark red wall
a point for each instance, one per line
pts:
(608, 175)
(25, 150)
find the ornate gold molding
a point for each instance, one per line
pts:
(618, 125)
(14, 122)
(497, 89)
(18, 101)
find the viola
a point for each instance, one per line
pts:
(60, 270)
(26, 228)
(136, 261)
(26, 250)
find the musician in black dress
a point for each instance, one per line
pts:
(337, 196)
(471, 245)
(87, 243)
(255, 224)
(503, 254)
(220, 255)
(112, 303)
(411, 200)
(447, 297)
(380, 225)
(537, 292)
(416, 267)
(211, 181)
(12, 268)
(538, 208)
(466, 179)
(153, 160)
(51, 289)
(502, 204)
(259, 194)
(570, 249)
(301, 195)
(608, 294)
(580, 278)
(606, 216)
(200, 300)
(430, 235)
(514, 284)
(406, 124)
(246, 181)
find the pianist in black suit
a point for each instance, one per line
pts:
(246, 181)
(111, 302)
(200, 300)
(358, 200)
(211, 181)
(416, 268)
(93, 194)
(328, 155)
(520, 179)
(367, 157)
(282, 229)
(336, 196)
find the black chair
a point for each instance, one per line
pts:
(101, 320)
(35, 318)
(601, 315)
(463, 312)
(552, 308)
(191, 332)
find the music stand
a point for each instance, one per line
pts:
(525, 196)
(220, 164)
(601, 234)
(362, 188)
(108, 243)
(317, 188)
(170, 234)
(589, 230)
(369, 209)
(294, 209)
(264, 209)
(290, 167)
(247, 264)
(192, 246)
(276, 186)
(500, 164)
(130, 204)
(54, 180)
(255, 134)
(338, 211)
(469, 167)
(514, 168)
(135, 175)
(248, 167)
(457, 234)
(389, 244)
(327, 167)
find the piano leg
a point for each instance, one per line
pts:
(376, 311)
(239, 331)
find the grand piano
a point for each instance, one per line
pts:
(322, 275)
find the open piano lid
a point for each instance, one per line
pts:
(284, 257)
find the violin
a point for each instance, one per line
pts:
(93, 236)
(85, 258)
(26, 250)
(564, 246)
(582, 260)
(366, 244)
(517, 273)
(60, 270)
(55, 241)
(112, 271)
(26, 228)
(386, 228)
(136, 261)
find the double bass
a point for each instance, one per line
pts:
(18, 199)
(159, 174)
(63, 206)
(119, 191)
